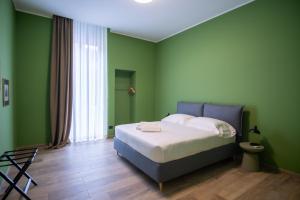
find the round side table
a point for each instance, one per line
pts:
(251, 156)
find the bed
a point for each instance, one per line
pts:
(176, 150)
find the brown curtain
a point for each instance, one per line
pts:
(61, 80)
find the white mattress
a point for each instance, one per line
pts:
(172, 143)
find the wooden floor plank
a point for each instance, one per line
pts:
(93, 171)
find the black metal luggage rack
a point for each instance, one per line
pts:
(21, 159)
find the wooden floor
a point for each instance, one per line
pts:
(94, 171)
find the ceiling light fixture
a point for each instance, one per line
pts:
(143, 1)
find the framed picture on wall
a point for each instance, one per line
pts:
(5, 89)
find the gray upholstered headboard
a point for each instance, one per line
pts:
(232, 114)
(189, 108)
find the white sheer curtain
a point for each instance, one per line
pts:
(89, 118)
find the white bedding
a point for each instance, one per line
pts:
(173, 142)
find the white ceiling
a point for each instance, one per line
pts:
(154, 22)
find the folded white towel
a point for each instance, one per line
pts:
(149, 126)
(150, 129)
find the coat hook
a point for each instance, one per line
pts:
(131, 91)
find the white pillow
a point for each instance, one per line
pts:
(177, 118)
(223, 129)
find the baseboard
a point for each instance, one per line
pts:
(289, 172)
(39, 146)
(111, 136)
(278, 169)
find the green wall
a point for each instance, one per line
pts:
(7, 30)
(33, 45)
(7, 20)
(135, 55)
(250, 56)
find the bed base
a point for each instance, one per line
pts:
(162, 172)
